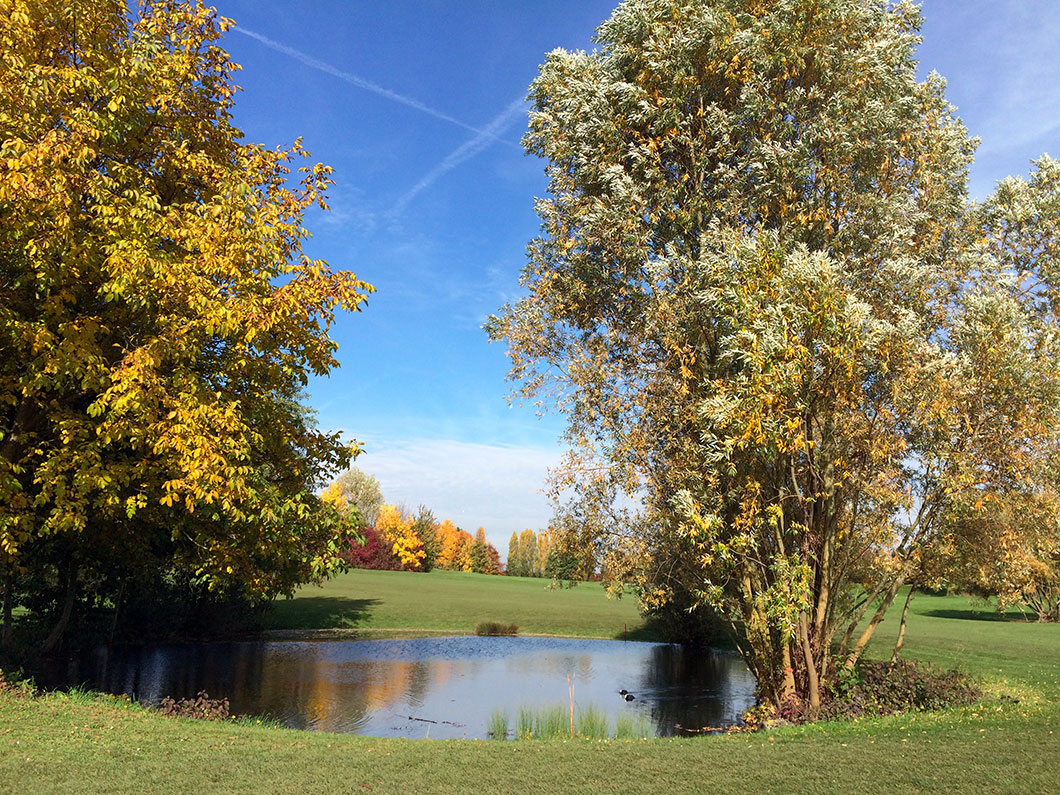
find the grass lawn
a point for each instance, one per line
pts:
(74, 744)
(455, 602)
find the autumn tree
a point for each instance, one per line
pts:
(158, 317)
(397, 529)
(455, 547)
(789, 353)
(359, 489)
(515, 556)
(426, 529)
(479, 553)
(529, 561)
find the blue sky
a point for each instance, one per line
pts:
(418, 107)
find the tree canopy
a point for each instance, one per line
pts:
(773, 319)
(158, 316)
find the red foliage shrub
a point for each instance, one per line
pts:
(375, 553)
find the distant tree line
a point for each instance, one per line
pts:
(389, 538)
(548, 554)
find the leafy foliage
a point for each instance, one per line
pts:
(880, 688)
(358, 490)
(158, 316)
(395, 528)
(791, 355)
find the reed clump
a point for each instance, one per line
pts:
(553, 723)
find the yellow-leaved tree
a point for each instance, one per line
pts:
(399, 532)
(158, 318)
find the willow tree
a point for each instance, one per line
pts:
(158, 317)
(762, 303)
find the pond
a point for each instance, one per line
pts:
(445, 687)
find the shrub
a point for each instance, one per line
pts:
(374, 553)
(16, 686)
(495, 628)
(880, 688)
(202, 707)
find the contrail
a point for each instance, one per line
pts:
(465, 151)
(353, 79)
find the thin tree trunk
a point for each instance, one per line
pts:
(9, 598)
(863, 641)
(51, 643)
(812, 682)
(789, 673)
(844, 643)
(901, 626)
(117, 612)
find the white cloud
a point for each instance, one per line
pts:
(498, 487)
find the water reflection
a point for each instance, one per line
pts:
(437, 687)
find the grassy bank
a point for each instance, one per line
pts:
(64, 744)
(376, 601)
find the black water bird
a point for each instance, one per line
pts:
(630, 696)
(622, 692)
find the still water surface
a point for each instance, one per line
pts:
(430, 687)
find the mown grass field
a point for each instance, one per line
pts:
(455, 602)
(95, 744)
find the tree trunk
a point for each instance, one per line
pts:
(789, 673)
(52, 642)
(9, 597)
(863, 640)
(117, 612)
(812, 682)
(901, 626)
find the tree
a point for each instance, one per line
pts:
(158, 317)
(452, 540)
(426, 529)
(530, 565)
(515, 556)
(772, 320)
(360, 490)
(397, 530)
(479, 553)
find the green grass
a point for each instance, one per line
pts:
(371, 602)
(101, 744)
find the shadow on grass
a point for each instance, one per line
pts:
(318, 612)
(977, 615)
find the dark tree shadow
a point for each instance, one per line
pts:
(318, 612)
(648, 631)
(977, 615)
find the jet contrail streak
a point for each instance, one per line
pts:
(465, 151)
(355, 80)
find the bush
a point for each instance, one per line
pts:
(495, 628)
(202, 707)
(374, 553)
(880, 688)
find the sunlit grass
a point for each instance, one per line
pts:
(86, 743)
(376, 601)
